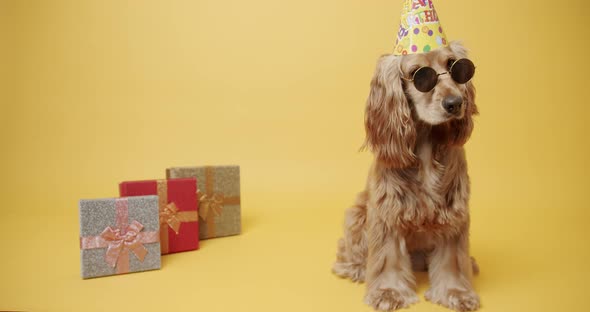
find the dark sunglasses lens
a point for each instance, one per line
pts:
(462, 71)
(425, 79)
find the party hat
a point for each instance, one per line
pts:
(419, 29)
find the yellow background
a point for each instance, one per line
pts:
(97, 92)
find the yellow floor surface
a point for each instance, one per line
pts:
(282, 261)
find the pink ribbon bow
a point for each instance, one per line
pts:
(118, 241)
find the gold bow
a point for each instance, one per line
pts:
(118, 242)
(211, 205)
(169, 215)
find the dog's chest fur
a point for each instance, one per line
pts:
(430, 170)
(431, 183)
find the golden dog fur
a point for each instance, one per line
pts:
(414, 211)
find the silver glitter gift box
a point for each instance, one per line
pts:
(119, 235)
(219, 198)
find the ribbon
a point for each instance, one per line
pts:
(170, 216)
(119, 241)
(211, 204)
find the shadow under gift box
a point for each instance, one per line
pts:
(218, 196)
(178, 206)
(119, 235)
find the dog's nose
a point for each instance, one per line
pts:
(452, 104)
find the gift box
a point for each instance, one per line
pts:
(219, 198)
(178, 206)
(119, 235)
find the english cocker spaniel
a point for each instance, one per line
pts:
(413, 213)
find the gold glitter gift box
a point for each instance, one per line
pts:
(218, 194)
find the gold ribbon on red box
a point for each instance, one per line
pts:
(171, 216)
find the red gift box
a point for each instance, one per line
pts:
(179, 220)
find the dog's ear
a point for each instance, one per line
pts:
(460, 130)
(390, 130)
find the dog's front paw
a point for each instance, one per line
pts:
(458, 300)
(356, 272)
(390, 299)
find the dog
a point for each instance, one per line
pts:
(413, 213)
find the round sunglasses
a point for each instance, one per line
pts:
(425, 78)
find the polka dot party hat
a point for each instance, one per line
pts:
(420, 29)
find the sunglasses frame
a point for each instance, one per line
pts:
(439, 74)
